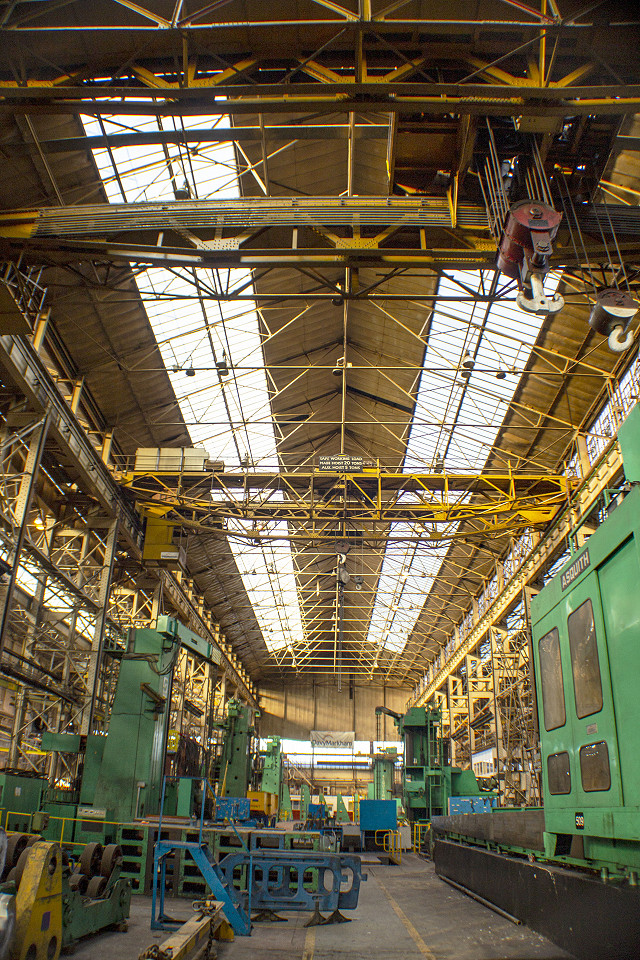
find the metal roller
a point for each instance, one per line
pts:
(91, 859)
(111, 858)
(21, 864)
(95, 887)
(78, 881)
(15, 845)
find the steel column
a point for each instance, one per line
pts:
(97, 643)
(25, 496)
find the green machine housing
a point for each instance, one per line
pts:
(272, 780)
(20, 796)
(233, 766)
(122, 771)
(272, 767)
(383, 771)
(428, 779)
(586, 648)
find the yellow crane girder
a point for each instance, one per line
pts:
(318, 504)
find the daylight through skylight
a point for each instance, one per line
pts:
(211, 348)
(486, 348)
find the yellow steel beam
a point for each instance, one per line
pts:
(402, 72)
(145, 12)
(576, 74)
(517, 483)
(324, 74)
(496, 73)
(374, 501)
(231, 73)
(337, 8)
(192, 934)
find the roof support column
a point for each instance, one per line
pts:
(23, 505)
(97, 643)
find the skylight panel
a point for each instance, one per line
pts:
(493, 340)
(229, 413)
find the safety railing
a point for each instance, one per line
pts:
(64, 822)
(391, 843)
(419, 834)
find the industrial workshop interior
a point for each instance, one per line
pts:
(320, 489)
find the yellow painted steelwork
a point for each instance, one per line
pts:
(263, 802)
(314, 502)
(39, 905)
(391, 844)
(192, 935)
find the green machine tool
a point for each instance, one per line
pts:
(273, 779)
(586, 645)
(129, 780)
(429, 782)
(122, 772)
(384, 764)
(305, 800)
(233, 765)
(20, 795)
(286, 807)
(272, 769)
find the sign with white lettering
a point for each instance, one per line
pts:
(327, 738)
(341, 463)
(573, 571)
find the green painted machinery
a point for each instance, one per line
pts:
(272, 768)
(285, 811)
(20, 795)
(342, 814)
(384, 764)
(428, 780)
(121, 773)
(233, 765)
(129, 780)
(586, 646)
(305, 800)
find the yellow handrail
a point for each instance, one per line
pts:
(418, 833)
(391, 843)
(63, 821)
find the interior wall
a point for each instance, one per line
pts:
(292, 711)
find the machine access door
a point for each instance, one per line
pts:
(589, 698)
(620, 596)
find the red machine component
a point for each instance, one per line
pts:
(531, 227)
(524, 253)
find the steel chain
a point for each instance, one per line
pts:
(206, 908)
(155, 952)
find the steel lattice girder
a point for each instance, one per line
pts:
(440, 99)
(314, 503)
(206, 234)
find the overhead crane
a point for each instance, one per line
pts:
(393, 232)
(320, 505)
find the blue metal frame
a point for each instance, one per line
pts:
(234, 912)
(275, 879)
(278, 879)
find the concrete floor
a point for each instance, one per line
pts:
(404, 913)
